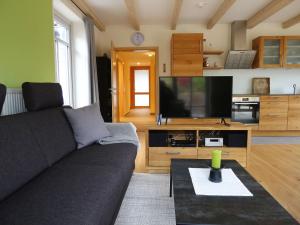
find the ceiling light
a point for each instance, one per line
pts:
(138, 63)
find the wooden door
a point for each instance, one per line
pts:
(114, 84)
(270, 51)
(273, 113)
(294, 113)
(187, 54)
(139, 87)
(291, 57)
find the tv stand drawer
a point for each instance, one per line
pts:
(161, 156)
(238, 154)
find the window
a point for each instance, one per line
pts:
(63, 59)
(140, 87)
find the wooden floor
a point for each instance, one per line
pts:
(277, 168)
(140, 117)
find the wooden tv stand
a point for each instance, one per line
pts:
(165, 142)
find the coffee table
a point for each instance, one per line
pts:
(192, 209)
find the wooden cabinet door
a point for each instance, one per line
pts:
(161, 156)
(187, 54)
(291, 57)
(273, 113)
(294, 113)
(270, 51)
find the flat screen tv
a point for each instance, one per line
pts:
(195, 97)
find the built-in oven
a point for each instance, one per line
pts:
(245, 109)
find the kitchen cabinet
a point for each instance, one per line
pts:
(273, 112)
(187, 54)
(291, 51)
(279, 113)
(269, 52)
(294, 113)
(277, 51)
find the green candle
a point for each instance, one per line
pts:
(216, 159)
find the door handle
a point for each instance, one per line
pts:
(173, 153)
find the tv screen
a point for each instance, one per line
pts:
(195, 97)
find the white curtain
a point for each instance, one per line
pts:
(92, 59)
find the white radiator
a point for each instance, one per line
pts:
(14, 102)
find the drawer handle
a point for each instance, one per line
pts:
(173, 153)
(225, 153)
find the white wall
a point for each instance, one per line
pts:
(217, 38)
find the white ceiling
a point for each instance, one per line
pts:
(153, 12)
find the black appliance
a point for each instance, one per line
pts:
(195, 97)
(235, 139)
(158, 138)
(245, 109)
(104, 85)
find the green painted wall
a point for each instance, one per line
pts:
(26, 42)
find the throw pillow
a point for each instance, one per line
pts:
(87, 124)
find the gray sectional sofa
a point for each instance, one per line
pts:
(45, 180)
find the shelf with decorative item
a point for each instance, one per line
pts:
(212, 52)
(213, 67)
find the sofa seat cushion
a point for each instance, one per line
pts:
(118, 155)
(68, 195)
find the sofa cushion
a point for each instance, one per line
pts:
(116, 155)
(2, 96)
(52, 132)
(38, 96)
(69, 195)
(88, 125)
(20, 156)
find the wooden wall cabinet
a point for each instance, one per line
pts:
(279, 113)
(187, 54)
(291, 55)
(276, 51)
(269, 52)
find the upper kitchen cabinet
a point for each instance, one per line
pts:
(187, 54)
(291, 51)
(277, 51)
(269, 52)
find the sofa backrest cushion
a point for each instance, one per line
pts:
(20, 156)
(2, 96)
(38, 96)
(53, 133)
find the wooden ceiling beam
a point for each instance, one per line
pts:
(88, 11)
(176, 12)
(132, 14)
(269, 10)
(291, 22)
(224, 7)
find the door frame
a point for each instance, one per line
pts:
(114, 84)
(132, 86)
(145, 48)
